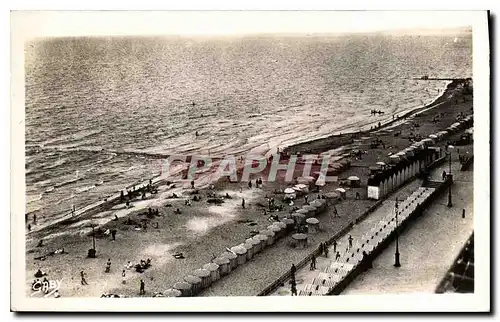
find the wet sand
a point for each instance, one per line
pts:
(202, 229)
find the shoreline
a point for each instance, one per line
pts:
(334, 141)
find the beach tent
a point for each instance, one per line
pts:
(241, 252)
(263, 240)
(184, 288)
(354, 181)
(312, 211)
(249, 247)
(320, 204)
(172, 292)
(289, 222)
(278, 230)
(312, 225)
(300, 240)
(233, 259)
(298, 217)
(195, 283)
(224, 265)
(257, 244)
(270, 236)
(205, 277)
(213, 268)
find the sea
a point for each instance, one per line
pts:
(98, 109)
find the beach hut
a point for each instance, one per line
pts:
(241, 252)
(172, 292)
(249, 247)
(300, 240)
(354, 181)
(184, 288)
(233, 259)
(312, 225)
(299, 217)
(270, 236)
(214, 271)
(195, 282)
(224, 265)
(205, 277)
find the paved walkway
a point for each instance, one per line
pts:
(330, 270)
(428, 247)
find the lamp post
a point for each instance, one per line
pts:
(396, 255)
(450, 204)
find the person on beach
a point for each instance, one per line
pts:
(379, 124)
(192, 184)
(320, 248)
(305, 199)
(463, 213)
(313, 263)
(335, 246)
(123, 277)
(142, 289)
(293, 270)
(129, 265)
(250, 184)
(444, 175)
(113, 234)
(34, 219)
(108, 266)
(350, 241)
(337, 256)
(294, 288)
(122, 197)
(325, 250)
(84, 281)
(358, 196)
(29, 227)
(243, 203)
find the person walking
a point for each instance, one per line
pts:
(337, 256)
(243, 203)
(123, 277)
(335, 246)
(305, 199)
(84, 281)
(293, 270)
(108, 266)
(294, 287)
(142, 290)
(463, 213)
(313, 263)
(350, 241)
(325, 250)
(113, 234)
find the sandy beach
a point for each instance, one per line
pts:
(203, 229)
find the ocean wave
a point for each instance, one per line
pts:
(65, 183)
(33, 198)
(83, 189)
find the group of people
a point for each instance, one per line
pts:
(131, 194)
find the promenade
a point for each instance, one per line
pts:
(307, 278)
(428, 247)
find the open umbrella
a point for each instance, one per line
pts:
(340, 190)
(381, 163)
(289, 190)
(299, 236)
(353, 178)
(331, 195)
(318, 203)
(433, 136)
(302, 211)
(312, 221)
(301, 186)
(309, 208)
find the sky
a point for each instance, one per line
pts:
(93, 23)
